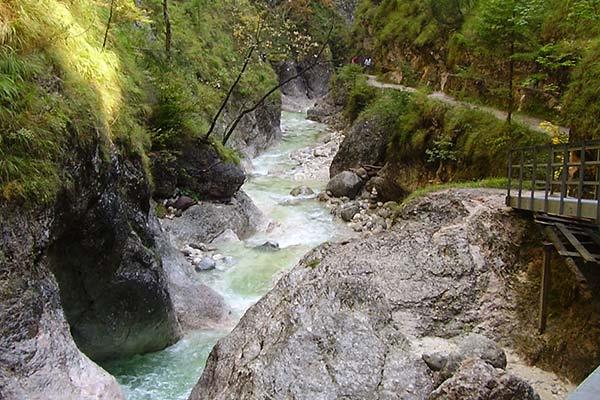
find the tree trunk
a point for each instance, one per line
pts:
(247, 111)
(511, 85)
(110, 16)
(168, 34)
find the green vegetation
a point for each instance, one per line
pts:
(489, 183)
(62, 91)
(453, 144)
(527, 55)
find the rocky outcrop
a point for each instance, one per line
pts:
(86, 269)
(197, 306)
(197, 168)
(205, 221)
(354, 320)
(313, 84)
(258, 130)
(365, 144)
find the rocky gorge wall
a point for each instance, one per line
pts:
(375, 317)
(95, 275)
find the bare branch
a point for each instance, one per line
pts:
(236, 82)
(247, 111)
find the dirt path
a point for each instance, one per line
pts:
(531, 122)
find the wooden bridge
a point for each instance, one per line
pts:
(560, 186)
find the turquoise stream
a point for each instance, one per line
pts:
(299, 226)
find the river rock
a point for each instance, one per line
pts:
(302, 191)
(481, 347)
(182, 203)
(347, 213)
(344, 322)
(268, 246)
(478, 380)
(345, 184)
(205, 221)
(205, 264)
(197, 306)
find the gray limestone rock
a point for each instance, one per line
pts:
(345, 184)
(341, 324)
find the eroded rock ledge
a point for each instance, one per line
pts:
(357, 320)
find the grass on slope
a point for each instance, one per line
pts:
(60, 91)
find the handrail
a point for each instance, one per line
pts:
(560, 179)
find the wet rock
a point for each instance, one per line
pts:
(345, 184)
(478, 380)
(349, 212)
(268, 246)
(323, 197)
(204, 264)
(302, 191)
(227, 236)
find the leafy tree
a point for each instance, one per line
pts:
(582, 100)
(507, 29)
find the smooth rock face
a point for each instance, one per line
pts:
(207, 220)
(112, 284)
(345, 322)
(364, 144)
(345, 184)
(94, 257)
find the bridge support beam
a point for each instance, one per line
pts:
(545, 287)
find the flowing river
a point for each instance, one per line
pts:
(299, 225)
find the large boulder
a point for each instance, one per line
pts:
(364, 144)
(353, 320)
(207, 220)
(345, 184)
(197, 168)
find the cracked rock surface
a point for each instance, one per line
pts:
(356, 320)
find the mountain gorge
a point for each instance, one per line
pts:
(160, 184)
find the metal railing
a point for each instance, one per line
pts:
(562, 179)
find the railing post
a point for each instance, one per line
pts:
(564, 188)
(510, 172)
(581, 179)
(533, 178)
(521, 164)
(549, 177)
